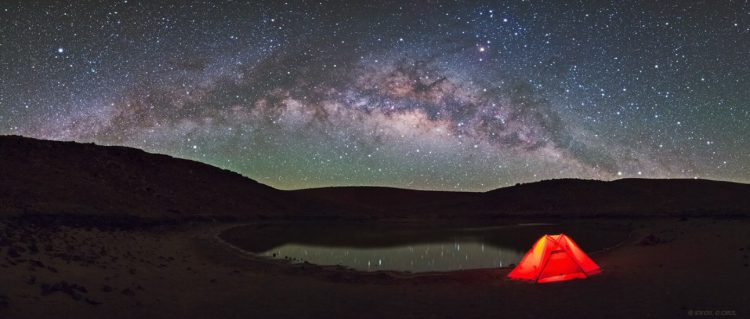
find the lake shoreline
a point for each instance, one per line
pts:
(384, 238)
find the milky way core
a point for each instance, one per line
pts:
(428, 95)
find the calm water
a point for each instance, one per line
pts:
(462, 253)
(410, 248)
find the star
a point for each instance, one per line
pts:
(287, 94)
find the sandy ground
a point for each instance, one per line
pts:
(667, 269)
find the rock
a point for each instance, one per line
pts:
(79, 288)
(657, 239)
(75, 291)
(33, 248)
(46, 289)
(75, 296)
(13, 252)
(127, 292)
(36, 263)
(92, 302)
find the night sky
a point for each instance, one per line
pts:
(427, 95)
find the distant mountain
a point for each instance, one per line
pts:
(39, 177)
(552, 198)
(624, 197)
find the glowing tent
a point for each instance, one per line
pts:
(554, 258)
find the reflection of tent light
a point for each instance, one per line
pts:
(554, 258)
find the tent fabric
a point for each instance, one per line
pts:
(554, 258)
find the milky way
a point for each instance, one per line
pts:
(428, 95)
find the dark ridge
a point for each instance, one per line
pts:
(559, 198)
(625, 197)
(39, 177)
(73, 183)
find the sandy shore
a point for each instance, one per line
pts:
(667, 269)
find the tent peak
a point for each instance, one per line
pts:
(554, 258)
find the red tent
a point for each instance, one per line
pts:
(554, 258)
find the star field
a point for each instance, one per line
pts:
(429, 95)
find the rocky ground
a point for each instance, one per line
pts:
(667, 269)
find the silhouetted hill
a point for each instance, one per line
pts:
(39, 177)
(624, 197)
(552, 198)
(50, 177)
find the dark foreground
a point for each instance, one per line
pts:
(666, 269)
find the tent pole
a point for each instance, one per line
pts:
(545, 256)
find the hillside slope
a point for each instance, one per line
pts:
(50, 177)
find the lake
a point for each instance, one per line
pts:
(412, 248)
